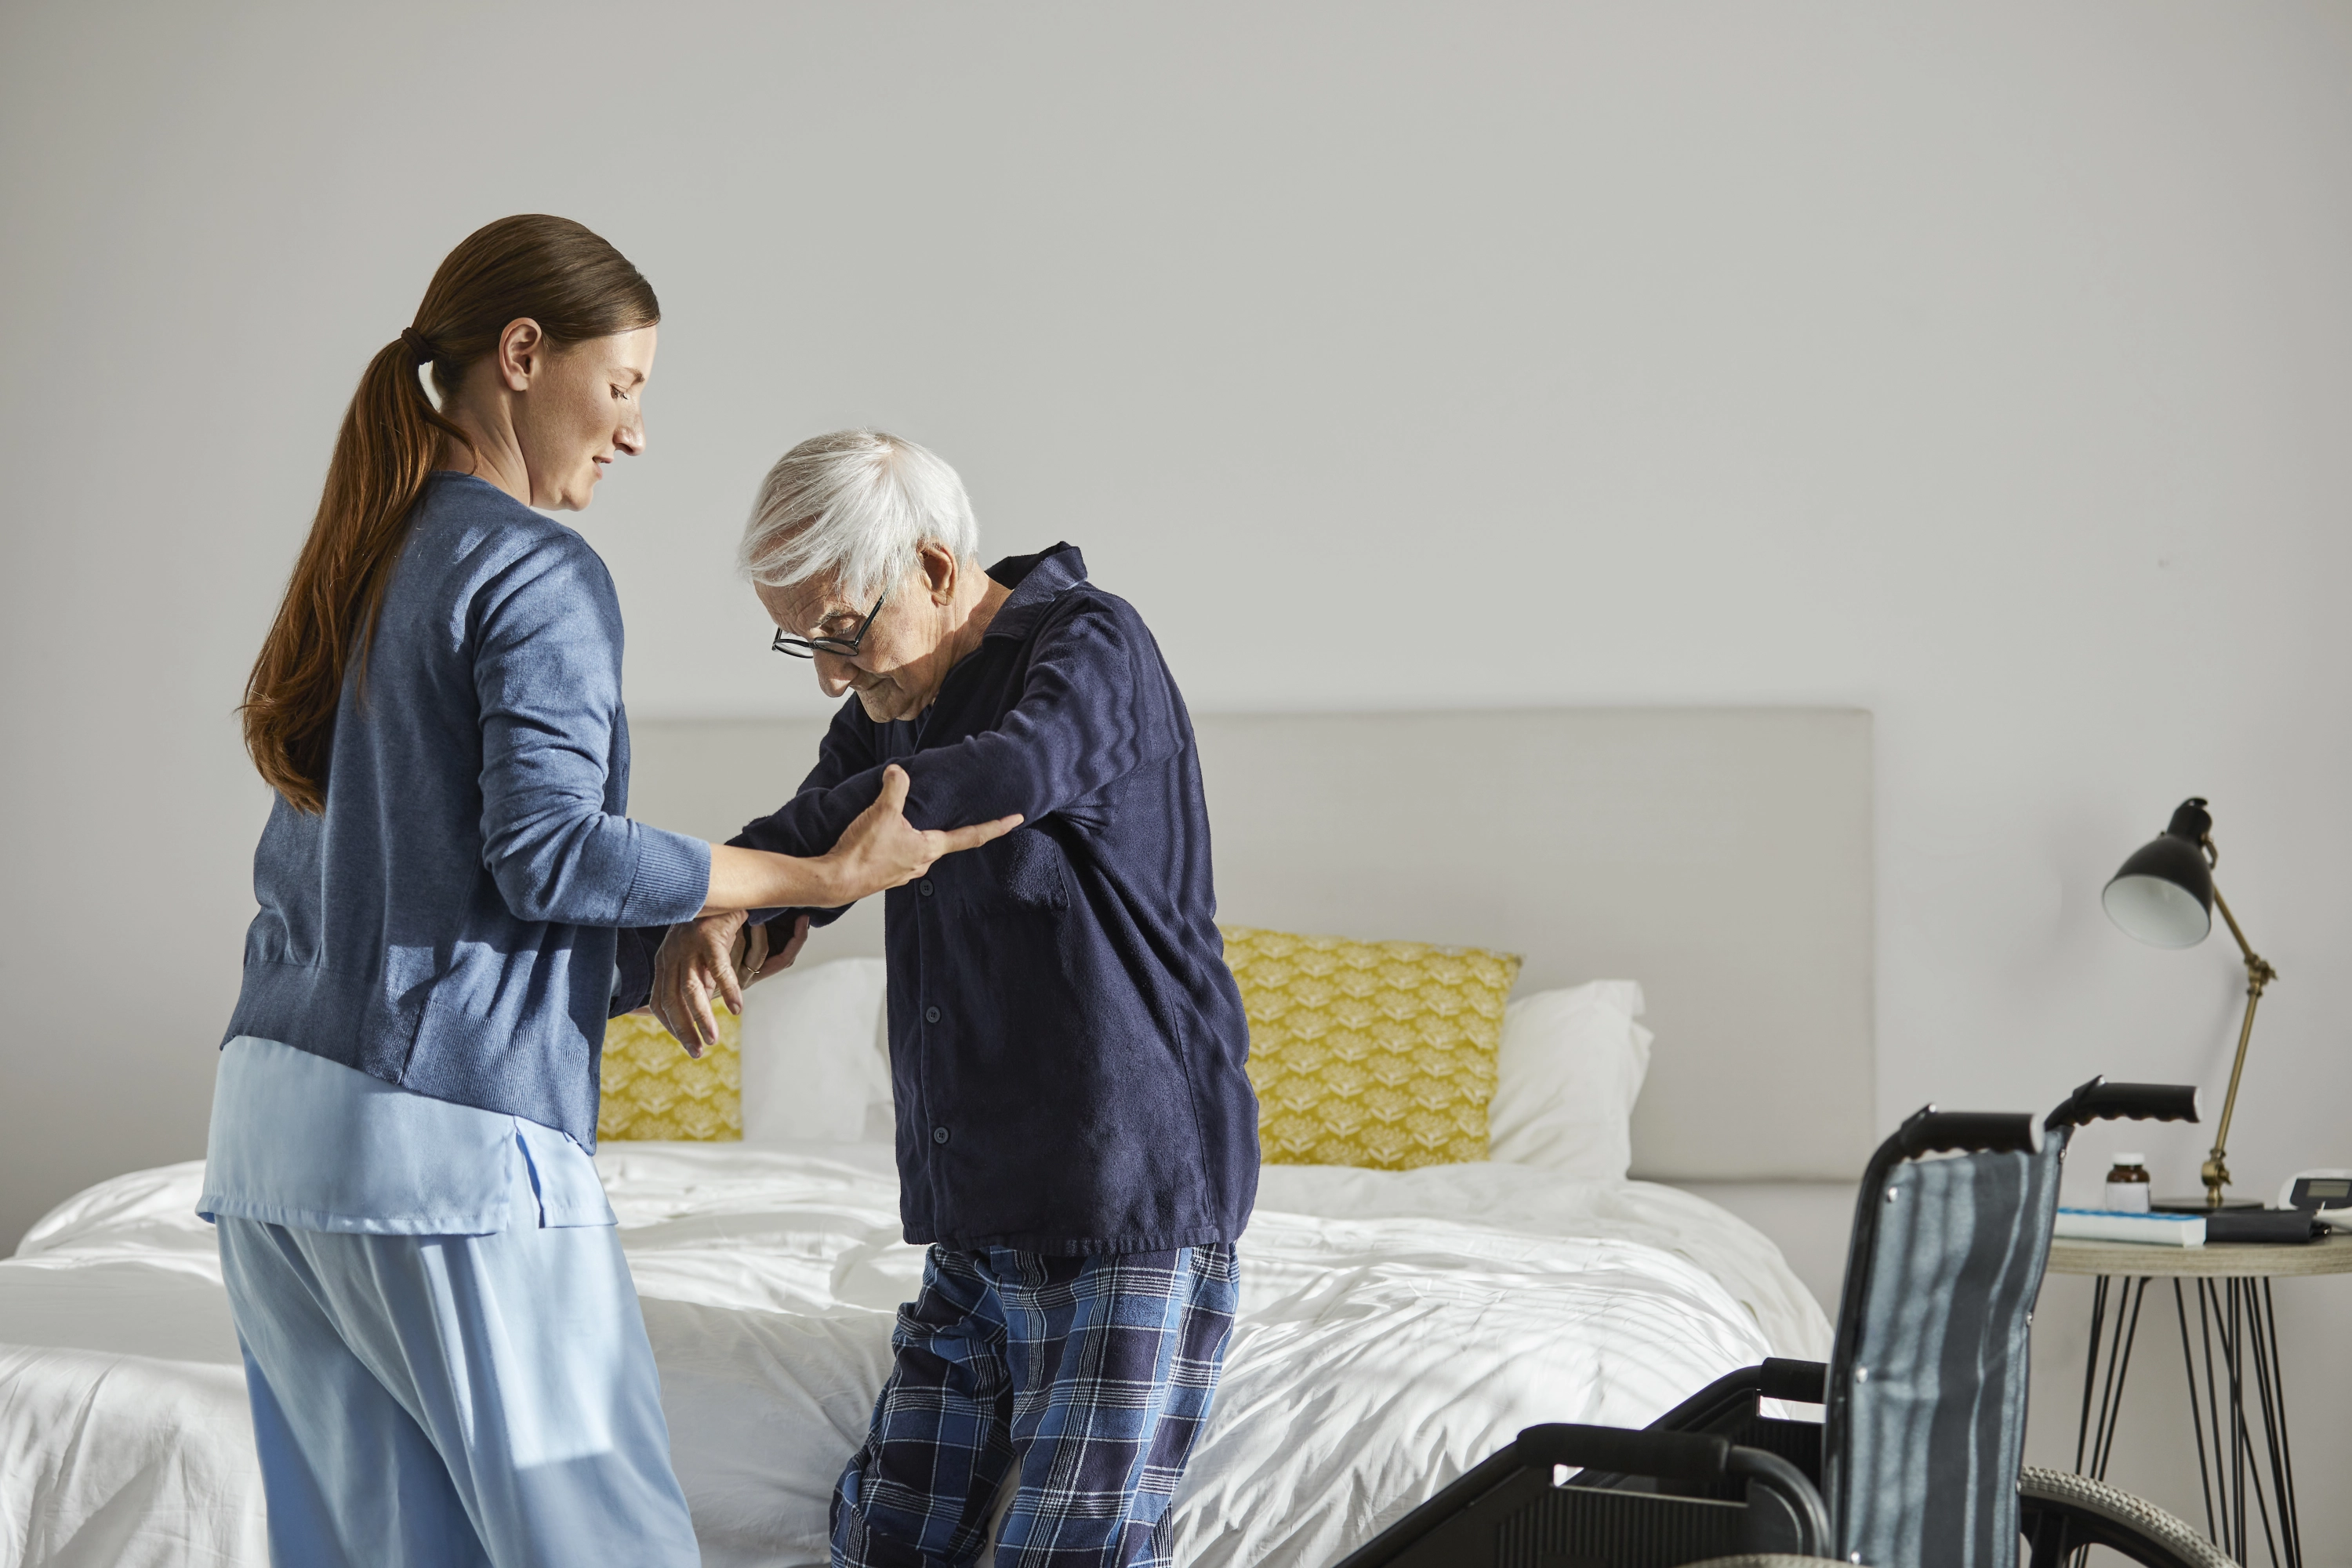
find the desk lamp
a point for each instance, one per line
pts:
(2165, 897)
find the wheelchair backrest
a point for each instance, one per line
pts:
(1945, 1262)
(1925, 1419)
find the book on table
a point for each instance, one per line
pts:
(2127, 1225)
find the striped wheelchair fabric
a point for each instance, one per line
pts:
(1936, 1406)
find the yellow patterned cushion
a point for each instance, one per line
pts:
(1369, 1053)
(654, 1089)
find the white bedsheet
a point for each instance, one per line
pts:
(1396, 1327)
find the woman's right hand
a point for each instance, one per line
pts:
(879, 850)
(882, 849)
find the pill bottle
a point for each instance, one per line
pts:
(2127, 1184)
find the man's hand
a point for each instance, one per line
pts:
(749, 952)
(758, 962)
(695, 960)
(708, 956)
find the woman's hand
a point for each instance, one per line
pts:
(879, 850)
(705, 956)
(882, 849)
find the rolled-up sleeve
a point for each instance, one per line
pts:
(547, 674)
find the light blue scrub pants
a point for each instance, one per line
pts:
(447, 1401)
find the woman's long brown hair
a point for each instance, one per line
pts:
(550, 270)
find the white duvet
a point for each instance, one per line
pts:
(1395, 1327)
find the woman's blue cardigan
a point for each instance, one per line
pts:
(449, 923)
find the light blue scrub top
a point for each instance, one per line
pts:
(303, 1142)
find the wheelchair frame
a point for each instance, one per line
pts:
(1917, 1460)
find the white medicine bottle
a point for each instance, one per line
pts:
(2127, 1184)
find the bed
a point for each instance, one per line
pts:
(1396, 1324)
(1384, 1346)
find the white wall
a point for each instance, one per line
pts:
(1982, 365)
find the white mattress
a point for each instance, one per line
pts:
(1395, 1327)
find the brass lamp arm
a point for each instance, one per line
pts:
(2253, 962)
(2258, 975)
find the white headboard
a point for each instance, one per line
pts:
(1721, 857)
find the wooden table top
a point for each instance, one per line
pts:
(2330, 1254)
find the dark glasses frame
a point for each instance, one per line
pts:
(840, 648)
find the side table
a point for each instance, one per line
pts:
(2231, 1353)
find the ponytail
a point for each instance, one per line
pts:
(390, 439)
(547, 269)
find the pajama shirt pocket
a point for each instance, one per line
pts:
(1031, 871)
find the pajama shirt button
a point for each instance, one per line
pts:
(924, 887)
(930, 1015)
(938, 1134)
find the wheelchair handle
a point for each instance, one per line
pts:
(1933, 1132)
(2099, 1100)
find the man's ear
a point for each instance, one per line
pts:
(521, 349)
(939, 566)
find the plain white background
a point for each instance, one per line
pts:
(1985, 365)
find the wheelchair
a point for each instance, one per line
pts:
(1917, 1459)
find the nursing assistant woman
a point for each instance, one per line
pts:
(444, 1351)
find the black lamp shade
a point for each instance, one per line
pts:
(2164, 894)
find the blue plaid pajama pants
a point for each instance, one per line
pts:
(1094, 1374)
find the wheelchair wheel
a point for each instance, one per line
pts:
(2059, 1513)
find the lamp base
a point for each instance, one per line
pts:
(2198, 1205)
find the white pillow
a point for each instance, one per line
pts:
(1571, 1067)
(816, 1056)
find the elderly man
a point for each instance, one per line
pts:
(1077, 1139)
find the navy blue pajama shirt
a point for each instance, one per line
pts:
(1067, 1044)
(1077, 1136)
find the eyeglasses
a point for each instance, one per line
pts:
(840, 648)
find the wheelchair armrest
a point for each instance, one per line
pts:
(1682, 1456)
(1667, 1456)
(1798, 1382)
(1528, 1473)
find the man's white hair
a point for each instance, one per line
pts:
(860, 503)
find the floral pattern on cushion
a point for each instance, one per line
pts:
(1377, 1054)
(654, 1089)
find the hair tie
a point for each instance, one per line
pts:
(418, 345)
